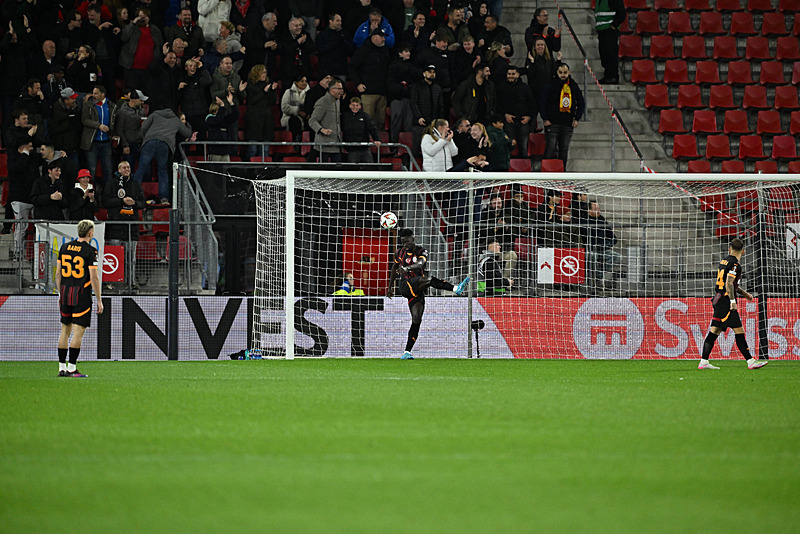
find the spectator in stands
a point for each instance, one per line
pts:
(81, 199)
(369, 70)
(226, 81)
(293, 116)
(43, 65)
(96, 137)
(32, 101)
(358, 127)
(126, 124)
(419, 36)
(367, 29)
(325, 121)
(123, 199)
(98, 34)
(246, 14)
(14, 49)
(221, 125)
(402, 19)
(609, 15)
(579, 207)
(518, 106)
(140, 40)
(311, 12)
(164, 78)
(540, 28)
(403, 74)
(187, 30)
(334, 47)
(463, 61)
(159, 132)
(212, 12)
(193, 95)
(600, 247)
(438, 147)
(52, 87)
(473, 146)
(561, 107)
(455, 28)
(496, 226)
(179, 47)
(66, 126)
(23, 163)
(48, 195)
(48, 154)
(122, 19)
(494, 33)
(355, 14)
(218, 50)
(491, 281)
(549, 214)
(501, 144)
(312, 96)
(498, 62)
(477, 18)
(425, 99)
(83, 73)
(540, 67)
(435, 10)
(295, 49)
(262, 41)
(438, 56)
(227, 31)
(22, 130)
(70, 35)
(519, 213)
(258, 122)
(476, 98)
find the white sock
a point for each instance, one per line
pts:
(751, 361)
(71, 368)
(703, 362)
(62, 366)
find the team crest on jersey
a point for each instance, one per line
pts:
(121, 193)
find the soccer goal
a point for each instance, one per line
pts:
(562, 265)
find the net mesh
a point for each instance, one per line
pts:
(582, 267)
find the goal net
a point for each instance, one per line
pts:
(598, 266)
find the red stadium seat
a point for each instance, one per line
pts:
(739, 73)
(690, 97)
(742, 24)
(665, 6)
(766, 167)
(282, 136)
(711, 24)
(713, 197)
(784, 147)
(774, 25)
(636, 5)
(671, 122)
(694, 47)
(725, 48)
(796, 25)
(755, 97)
(718, 147)
(656, 97)
(643, 72)
(700, 166)
(676, 72)
(796, 73)
(771, 73)
(786, 98)
(781, 199)
(647, 23)
(721, 97)
(735, 123)
(704, 122)
(794, 123)
(661, 47)
(729, 6)
(726, 226)
(757, 49)
(680, 23)
(750, 147)
(696, 6)
(787, 49)
(630, 47)
(552, 165)
(732, 167)
(759, 6)
(789, 6)
(520, 165)
(536, 145)
(684, 147)
(625, 27)
(747, 201)
(769, 123)
(794, 168)
(707, 73)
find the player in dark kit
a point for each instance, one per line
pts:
(76, 277)
(409, 261)
(726, 312)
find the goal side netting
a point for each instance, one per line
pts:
(599, 266)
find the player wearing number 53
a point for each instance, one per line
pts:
(76, 277)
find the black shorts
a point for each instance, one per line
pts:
(724, 317)
(80, 313)
(410, 289)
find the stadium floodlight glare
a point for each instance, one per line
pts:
(579, 246)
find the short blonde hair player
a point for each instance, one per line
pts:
(76, 277)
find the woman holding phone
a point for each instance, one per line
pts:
(438, 147)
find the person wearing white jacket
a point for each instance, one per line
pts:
(293, 117)
(438, 147)
(211, 13)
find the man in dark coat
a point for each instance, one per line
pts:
(476, 97)
(334, 48)
(188, 30)
(295, 48)
(368, 70)
(261, 45)
(425, 99)
(48, 195)
(561, 107)
(516, 104)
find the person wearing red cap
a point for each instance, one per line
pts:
(82, 202)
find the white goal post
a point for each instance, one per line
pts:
(603, 265)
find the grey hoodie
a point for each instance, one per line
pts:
(164, 125)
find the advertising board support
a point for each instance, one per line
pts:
(174, 263)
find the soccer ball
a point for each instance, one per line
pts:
(388, 220)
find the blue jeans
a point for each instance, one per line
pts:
(158, 150)
(100, 152)
(133, 157)
(557, 136)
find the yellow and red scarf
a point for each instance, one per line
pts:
(565, 99)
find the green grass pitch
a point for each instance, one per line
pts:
(400, 446)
